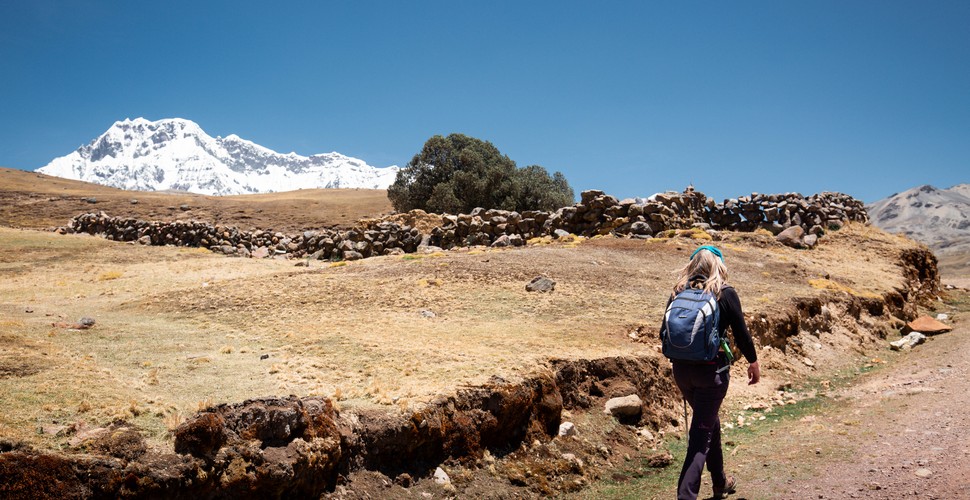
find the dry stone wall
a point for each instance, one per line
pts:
(596, 214)
(380, 239)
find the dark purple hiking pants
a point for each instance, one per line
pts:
(704, 389)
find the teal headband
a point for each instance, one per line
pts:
(710, 248)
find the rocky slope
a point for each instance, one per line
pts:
(176, 154)
(940, 218)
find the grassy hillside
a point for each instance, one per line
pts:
(38, 201)
(180, 328)
(177, 330)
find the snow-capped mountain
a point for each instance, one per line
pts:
(940, 218)
(176, 154)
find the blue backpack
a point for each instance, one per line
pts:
(689, 331)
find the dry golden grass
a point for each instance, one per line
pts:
(179, 327)
(110, 275)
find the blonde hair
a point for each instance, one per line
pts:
(705, 265)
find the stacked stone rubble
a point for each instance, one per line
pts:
(381, 239)
(596, 214)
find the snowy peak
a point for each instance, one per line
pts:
(176, 154)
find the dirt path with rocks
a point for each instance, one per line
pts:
(896, 432)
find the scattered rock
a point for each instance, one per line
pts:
(260, 253)
(942, 317)
(567, 429)
(441, 477)
(927, 325)
(810, 240)
(404, 480)
(571, 457)
(352, 255)
(791, 237)
(502, 241)
(646, 434)
(560, 233)
(428, 314)
(908, 342)
(541, 284)
(82, 324)
(923, 472)
(660, 460)
(133, 201)
(264, 356)
(184, 208)
(302, 263)
(627, 406)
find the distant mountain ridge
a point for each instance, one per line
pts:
(176, 154)
(940, 218)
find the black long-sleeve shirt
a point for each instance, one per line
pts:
(732, 316)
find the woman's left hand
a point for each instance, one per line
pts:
(754, 373)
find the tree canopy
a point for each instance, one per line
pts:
(457, 173)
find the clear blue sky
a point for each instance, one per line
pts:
(864, 97)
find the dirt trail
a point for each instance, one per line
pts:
(898, 432)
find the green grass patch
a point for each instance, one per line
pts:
(636, 479)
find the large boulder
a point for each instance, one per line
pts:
(791, 237)
(625, 407)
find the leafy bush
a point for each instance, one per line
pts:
(457, 173)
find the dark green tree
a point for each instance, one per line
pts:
(534, 188)
(457, 173)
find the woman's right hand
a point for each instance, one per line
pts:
(754, 373)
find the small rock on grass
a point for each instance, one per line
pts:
(541, 284)
(660, 460)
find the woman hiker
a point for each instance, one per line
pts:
(704, 383)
